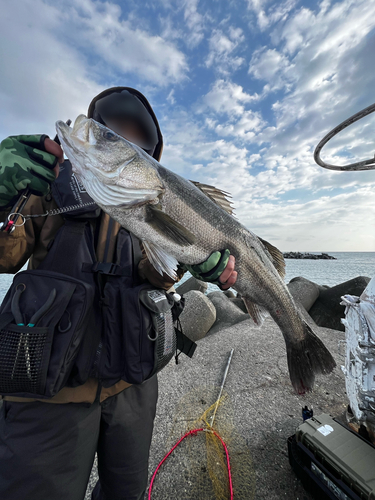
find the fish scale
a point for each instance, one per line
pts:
(178, 221)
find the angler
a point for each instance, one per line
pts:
(78, 328)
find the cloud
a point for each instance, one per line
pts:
(184, 22)
(100, 27)
(221, 48)
(41, 81)
(269, 189)
(227, 97)
(194, 21)
(267, 15)
(335, 223)
(272, 66)
(321, 64)
(55, 59)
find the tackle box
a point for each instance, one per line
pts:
(332, 461)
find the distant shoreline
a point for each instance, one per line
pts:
(306, 255)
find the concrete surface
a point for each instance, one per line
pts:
(304, 290)
(261, 405)
(227, 312)
(192, 284)
(198, 315)
(327, 310)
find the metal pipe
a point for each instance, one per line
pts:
(361, 165)
(222, 386)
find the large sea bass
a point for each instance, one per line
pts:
(180, 221)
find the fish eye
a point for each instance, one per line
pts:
(110, 136)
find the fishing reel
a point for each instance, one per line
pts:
(361, 165)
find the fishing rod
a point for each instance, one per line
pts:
(16, 210)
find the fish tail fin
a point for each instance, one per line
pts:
(306, 359)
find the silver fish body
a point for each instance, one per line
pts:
(179, 222)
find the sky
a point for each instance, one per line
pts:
(244, 90)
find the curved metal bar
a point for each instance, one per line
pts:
(361, 165)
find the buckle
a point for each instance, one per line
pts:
(105, 268)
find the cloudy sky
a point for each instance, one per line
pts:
(244, 90)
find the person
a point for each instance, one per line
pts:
(47, 446)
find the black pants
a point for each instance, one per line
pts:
(47, 450)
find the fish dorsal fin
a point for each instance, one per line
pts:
(221, 198)
(276, 256)
(162, 262)
(171, 229)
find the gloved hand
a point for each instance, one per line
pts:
(24, 163)
(211, 269)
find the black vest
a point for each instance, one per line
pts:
(120, 345)
(74, 318)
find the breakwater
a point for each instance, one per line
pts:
(304, 255)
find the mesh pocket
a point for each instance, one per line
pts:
(166, 340)
(23, 352)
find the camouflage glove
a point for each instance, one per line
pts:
(24, 163)
(211, 269)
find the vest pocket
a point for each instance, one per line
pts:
(43, 319)
(139, 335)
(24, 355)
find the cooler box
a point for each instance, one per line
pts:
(332, 461)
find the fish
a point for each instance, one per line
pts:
(181, 222)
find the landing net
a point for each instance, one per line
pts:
(204, 461)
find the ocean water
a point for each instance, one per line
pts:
(332, 272)
(323, 272)
(327, 272)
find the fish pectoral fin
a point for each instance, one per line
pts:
(277, 257)
(257, 313)
(164, 224)
(162, 262)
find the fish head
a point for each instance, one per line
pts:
(114, 171)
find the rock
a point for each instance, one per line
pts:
(303, 290)
(227, 313)
(304, 255)
(191, 284)
(327, 310)
(198, 316)
(229, 294)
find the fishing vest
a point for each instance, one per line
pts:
(98, 319)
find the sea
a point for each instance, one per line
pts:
(347, 265)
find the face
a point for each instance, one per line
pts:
(129, 130)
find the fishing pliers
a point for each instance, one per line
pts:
(24, 337)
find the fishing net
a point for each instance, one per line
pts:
(198, 468)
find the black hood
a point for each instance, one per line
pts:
(132, 104)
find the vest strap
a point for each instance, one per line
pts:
(106, 268)
(137, 252)
(184, 344)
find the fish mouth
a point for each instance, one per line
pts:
(62, 130)
(65, 135)
(79, 133)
